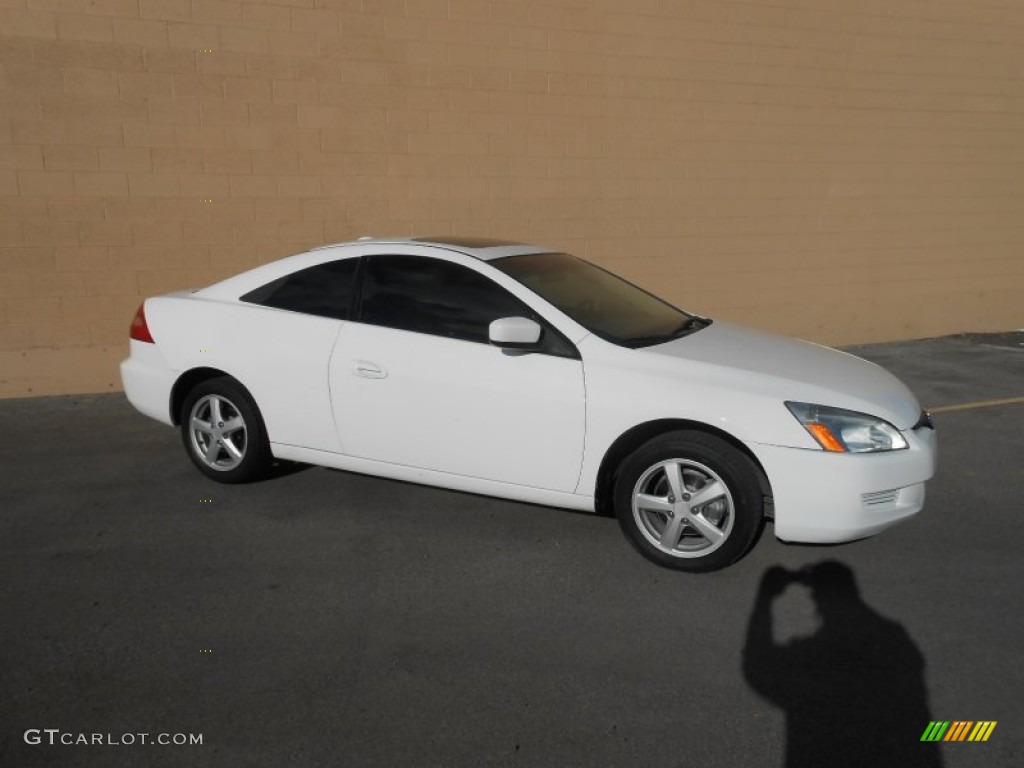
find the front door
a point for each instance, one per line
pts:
(416, 383)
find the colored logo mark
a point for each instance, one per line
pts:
(959, 730)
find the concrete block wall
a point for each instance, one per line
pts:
(842, 171)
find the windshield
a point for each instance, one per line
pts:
(601, 302)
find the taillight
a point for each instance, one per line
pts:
(140, 330)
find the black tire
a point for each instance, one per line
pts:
(735, 508)
(238, 455)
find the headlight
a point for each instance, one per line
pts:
(844, 431)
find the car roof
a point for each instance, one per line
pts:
(482, 248)
(485, 250)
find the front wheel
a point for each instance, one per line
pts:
(223, 432)
(689, 501)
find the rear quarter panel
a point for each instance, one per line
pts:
(280, 357)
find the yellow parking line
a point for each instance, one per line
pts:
(977, 404)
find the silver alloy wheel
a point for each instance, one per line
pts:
(218, 433)
(683, 508)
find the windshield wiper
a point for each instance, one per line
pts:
(690, 325)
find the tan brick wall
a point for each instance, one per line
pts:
(844, 171)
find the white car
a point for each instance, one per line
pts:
(508, 370)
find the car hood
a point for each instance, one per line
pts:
(797, 370)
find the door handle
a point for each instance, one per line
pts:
(369, 370)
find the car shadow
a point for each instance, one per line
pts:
(426, 488)
(853, 692)
(281, 468)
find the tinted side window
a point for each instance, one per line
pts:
(324, 290)
(415, 293)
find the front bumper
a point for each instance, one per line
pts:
(822, 497)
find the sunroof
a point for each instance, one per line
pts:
(465, 242)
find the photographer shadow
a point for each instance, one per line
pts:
(853, 692)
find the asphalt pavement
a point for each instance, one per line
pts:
(324, 618)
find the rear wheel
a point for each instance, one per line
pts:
(223, 432)
(689, 501)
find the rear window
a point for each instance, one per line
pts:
(324, 290)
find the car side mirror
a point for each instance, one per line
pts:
(514, 332)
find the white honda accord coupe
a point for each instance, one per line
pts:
(509, 370)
